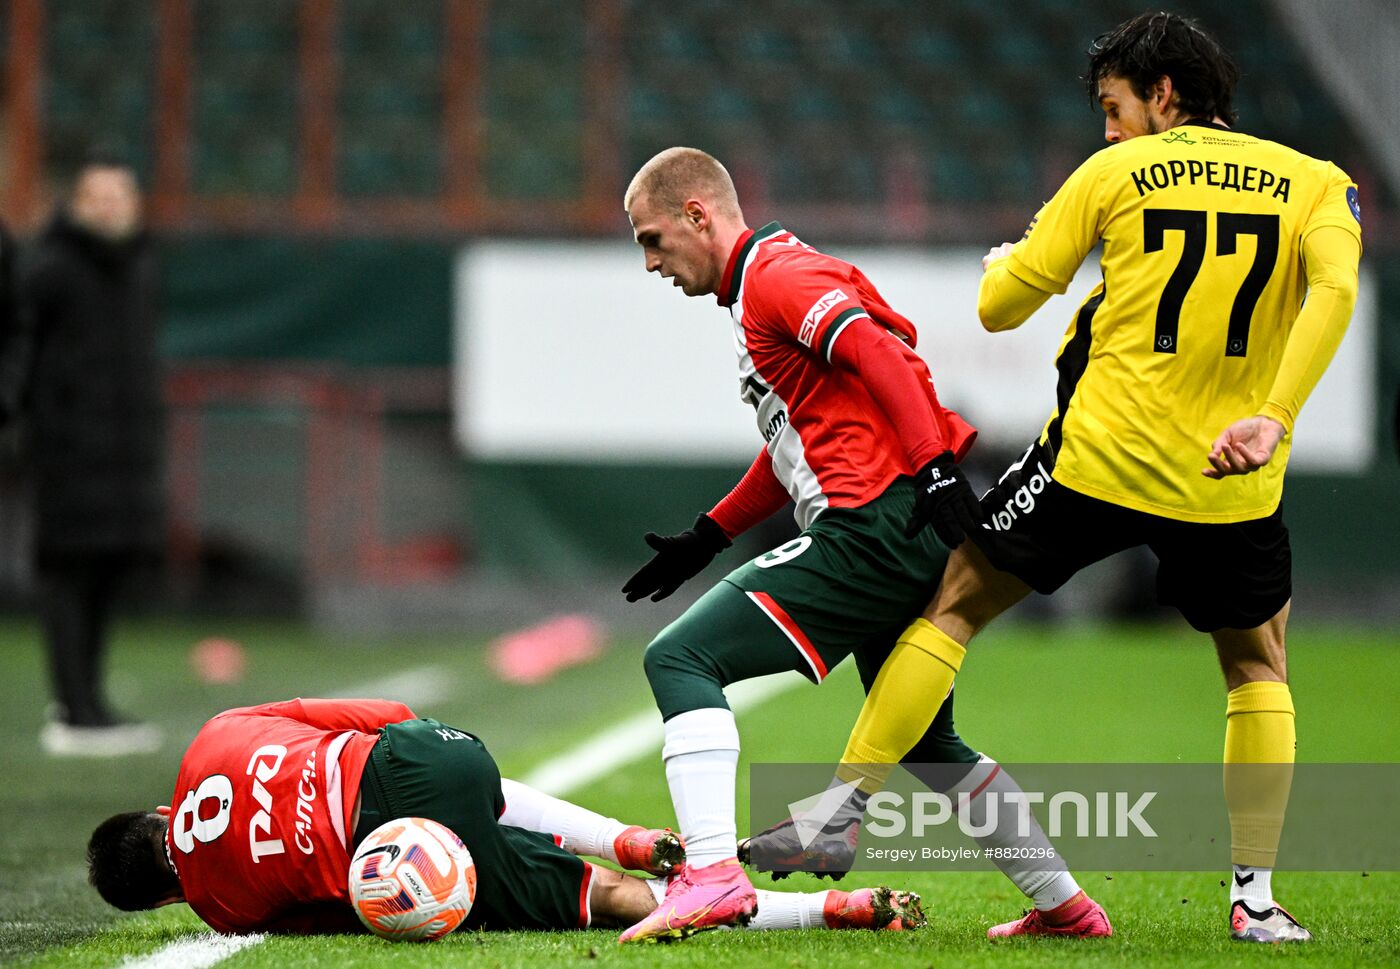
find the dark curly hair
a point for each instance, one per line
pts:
(123, 864)
(1153, 44)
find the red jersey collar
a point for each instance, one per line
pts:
(733, 276)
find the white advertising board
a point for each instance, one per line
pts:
(569, 351)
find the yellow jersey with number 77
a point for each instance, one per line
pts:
(1202, 230)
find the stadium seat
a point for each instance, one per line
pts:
(943, 80)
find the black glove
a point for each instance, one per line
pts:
(678, 558)
(944, 500)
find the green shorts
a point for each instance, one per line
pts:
(425, 769)
(846, 586)
(851, 583)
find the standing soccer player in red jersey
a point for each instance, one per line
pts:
(857, 440)
(270, 802)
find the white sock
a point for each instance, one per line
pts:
(701, 756)
(1257, 891)
(584, 832)
(789, 910)
(1025, 867)
(658, 888)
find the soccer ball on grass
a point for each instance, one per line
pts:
(412, 880)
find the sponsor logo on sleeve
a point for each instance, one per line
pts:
(817, 313)
(1354, 201)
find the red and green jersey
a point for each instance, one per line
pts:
(830, 444)
(261, 815)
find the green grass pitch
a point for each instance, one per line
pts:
(1026, 693)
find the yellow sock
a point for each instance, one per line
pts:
(902, 703)
(1260, 746)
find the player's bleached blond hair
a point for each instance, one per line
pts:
(677, 174)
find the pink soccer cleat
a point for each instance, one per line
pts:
(1081, 916)
(659, 851)
(698, 899)
(874, 908)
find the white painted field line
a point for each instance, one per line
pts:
(636, 737)
(421, 686)
(193, 952)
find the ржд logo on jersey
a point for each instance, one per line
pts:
(815, 315)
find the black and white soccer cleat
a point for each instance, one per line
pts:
(779, 850)
(1274, 924)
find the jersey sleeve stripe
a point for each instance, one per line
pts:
(837, 325)
(1071, 365)
(757, 388)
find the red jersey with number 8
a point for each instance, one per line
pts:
(261, 815)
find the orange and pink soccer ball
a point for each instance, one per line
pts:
(412, 880)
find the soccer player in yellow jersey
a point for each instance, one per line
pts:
(1180, 378)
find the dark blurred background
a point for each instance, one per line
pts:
(314, 168)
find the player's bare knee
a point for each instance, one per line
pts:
(972, 594)
(1251, 655)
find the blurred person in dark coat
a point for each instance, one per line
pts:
(90, 391)
(14, 334)
(14, 518)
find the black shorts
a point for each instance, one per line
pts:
(1219, 576)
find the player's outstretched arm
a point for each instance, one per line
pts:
(1005, 301)
(678, 559)
(364, 715)
(995, 253)
(681, 557)
(1017, 278)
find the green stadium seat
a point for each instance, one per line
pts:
(768, 46)
(728, 102)
(956, 177)
(390, 157)
(647, 104)
(982, 109)
(895, 105)
(408, 27)
(526, 90)
(535, 162)
(811, 102)
(948, 79)
(248, 26)
(931, 46)
(672, 42)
